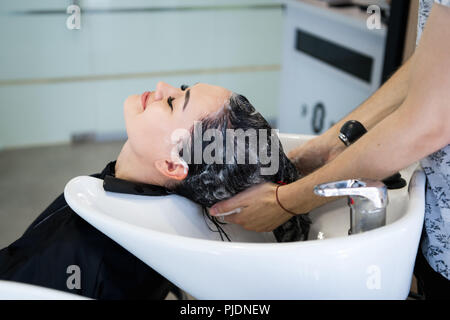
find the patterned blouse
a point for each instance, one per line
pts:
(435, 242)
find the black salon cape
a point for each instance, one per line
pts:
(59, 238)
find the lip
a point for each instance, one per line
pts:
(144, 98)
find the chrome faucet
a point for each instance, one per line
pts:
(367, 200)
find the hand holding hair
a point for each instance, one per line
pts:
(259, 212)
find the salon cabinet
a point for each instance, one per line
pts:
(56, 83)
(331, 62)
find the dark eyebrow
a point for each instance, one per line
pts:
(186, 98)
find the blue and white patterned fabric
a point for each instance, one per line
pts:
(435, 243)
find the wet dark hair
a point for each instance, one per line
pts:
(209, 183)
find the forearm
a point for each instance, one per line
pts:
(315, 153)
(419, 127)
(399, 140)
(378, 106)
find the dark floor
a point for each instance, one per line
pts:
(31, 178)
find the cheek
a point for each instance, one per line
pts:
(130, 111)
(140, 136)
(148, 134)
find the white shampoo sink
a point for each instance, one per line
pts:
(171, 235)
(12, 290)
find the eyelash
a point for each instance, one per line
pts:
(170, 99)
(169, 102)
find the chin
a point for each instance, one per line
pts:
(132, 105)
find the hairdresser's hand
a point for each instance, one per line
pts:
(316, 152)
(259, 210)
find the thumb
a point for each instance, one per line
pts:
(225, 207)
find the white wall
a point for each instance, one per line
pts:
(55, 82)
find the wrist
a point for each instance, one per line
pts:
(333, 144)
(285, 210)
(287, 202)
(299, 196)
(331, 137)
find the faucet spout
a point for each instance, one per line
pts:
(373, 190)
(367, 200)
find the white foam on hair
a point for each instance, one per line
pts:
(220, 193)
(220, 175)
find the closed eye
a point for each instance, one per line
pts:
(169, 102)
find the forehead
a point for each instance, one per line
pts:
(209, 97)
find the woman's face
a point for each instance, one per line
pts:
(153, 116)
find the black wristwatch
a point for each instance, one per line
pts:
(351, 131)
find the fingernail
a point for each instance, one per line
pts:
(213, 211)
(229, 212)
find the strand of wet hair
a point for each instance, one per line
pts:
(216, 223)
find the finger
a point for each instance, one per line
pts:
(221, 219)
(230, 218)
(240, 200)
(237, 210)
(225, 207)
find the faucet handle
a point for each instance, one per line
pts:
(373, 190)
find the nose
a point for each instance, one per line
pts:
(164, 90)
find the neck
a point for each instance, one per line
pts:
(130, 167)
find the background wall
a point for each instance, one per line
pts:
(56, 82)
(411, 30)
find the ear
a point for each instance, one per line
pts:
(171, 169)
